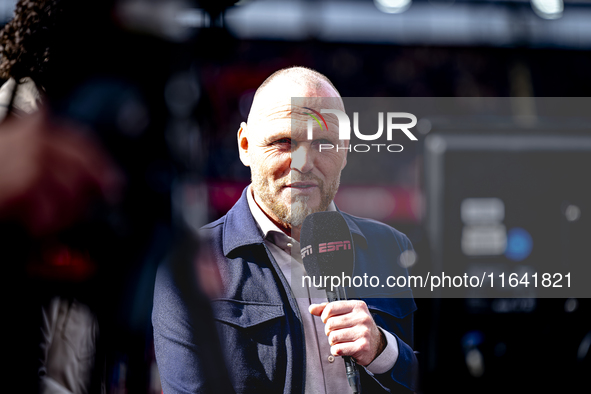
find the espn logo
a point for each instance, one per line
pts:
(334, 246)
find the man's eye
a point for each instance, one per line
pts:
(284, 143)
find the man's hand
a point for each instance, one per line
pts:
(351, 330)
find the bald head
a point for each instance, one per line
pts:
(301, 76)
(286, 83)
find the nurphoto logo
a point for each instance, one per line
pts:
(345, 129)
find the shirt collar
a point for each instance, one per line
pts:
(241, 229)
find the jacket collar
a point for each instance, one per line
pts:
(356, 233)
(240, 227)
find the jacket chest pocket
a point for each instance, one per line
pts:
(253, 336)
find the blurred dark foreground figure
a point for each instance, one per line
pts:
(80, 226)
(50, 172)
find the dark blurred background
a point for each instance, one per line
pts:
(190, 70)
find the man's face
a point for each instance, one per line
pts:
(291, 177)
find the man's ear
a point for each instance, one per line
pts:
(243, 144)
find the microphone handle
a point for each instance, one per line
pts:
(350, 365)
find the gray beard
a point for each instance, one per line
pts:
(299, 210)
(294, 214)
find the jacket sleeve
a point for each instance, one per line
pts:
(403, 375)
(188, 352)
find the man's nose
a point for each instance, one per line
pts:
(302, 158)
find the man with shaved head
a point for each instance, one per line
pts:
(274, 341)
(269, 144)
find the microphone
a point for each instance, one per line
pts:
(327, 250)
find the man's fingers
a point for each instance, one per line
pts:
(338, 308)
(350, 334)
(360, 350)
(316, 309)
(347, 321)
(351, 330)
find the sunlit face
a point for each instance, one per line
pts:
(291, 177)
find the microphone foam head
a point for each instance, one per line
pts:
(326, 245)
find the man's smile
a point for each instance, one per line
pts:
(301, 185)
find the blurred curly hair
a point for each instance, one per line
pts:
(26, 41)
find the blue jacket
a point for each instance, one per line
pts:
(259, 322)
